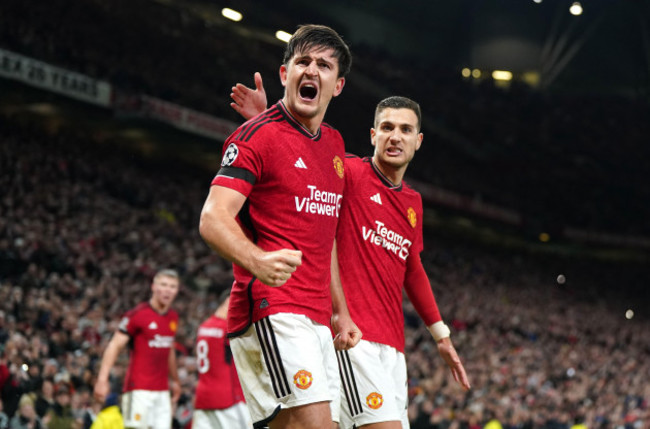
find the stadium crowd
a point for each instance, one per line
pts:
(568, 152)
(83, 226)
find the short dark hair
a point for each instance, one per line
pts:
(312, 35)
(397, 102)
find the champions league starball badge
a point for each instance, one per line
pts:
(231, 154)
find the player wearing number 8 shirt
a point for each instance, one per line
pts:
(219, 400)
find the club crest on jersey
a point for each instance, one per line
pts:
(413, 220)
(230, 155)
(338, 166)
(302, 379)
(375, 400)
(173, 325)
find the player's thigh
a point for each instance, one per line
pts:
(374, 386)
(310, 416)
(286, 361)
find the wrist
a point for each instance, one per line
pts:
(439, 330)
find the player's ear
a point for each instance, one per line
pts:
(283, 74)
(372, 136)
(419, 143)
(340, 83)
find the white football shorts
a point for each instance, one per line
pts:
(284, 361)
(147, 409)
(373, 385)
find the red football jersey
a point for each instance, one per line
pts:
(152, 337)
(379, 229)
(294, 184)
(218, 387)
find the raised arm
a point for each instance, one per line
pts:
(418, 289)
(220, 230)
(248, 102)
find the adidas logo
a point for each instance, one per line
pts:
(153, 325)
(300, 164)
(376, 198)
(264, 302)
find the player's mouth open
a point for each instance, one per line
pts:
(308, 91)
(394, 151)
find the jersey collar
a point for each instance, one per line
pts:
(296, 124)
(383, 178)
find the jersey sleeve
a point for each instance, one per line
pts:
(128, 324)
(241, 164)
(418, 289)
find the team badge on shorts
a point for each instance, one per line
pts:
(230, 155)
(338, 166)
(375, 400)
(302, 379)
(413, 220)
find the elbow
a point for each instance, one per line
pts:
(204, 227)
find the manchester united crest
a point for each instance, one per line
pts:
(302, 379)
(375, 400)
(412, 217)
(338, 166)
(173, 326)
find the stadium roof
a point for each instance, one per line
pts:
(605, 49)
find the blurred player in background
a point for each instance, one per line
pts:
(218, 400)
(273, 209)
(149, 330)
(379, 238)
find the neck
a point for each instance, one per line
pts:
(394, 175)
(311, 124)
(160, 308)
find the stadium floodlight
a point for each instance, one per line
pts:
(466, 72)
(537, 1)
(501, 75)
(231, 14)
(576, 8)
(476, 73)
(283, 35)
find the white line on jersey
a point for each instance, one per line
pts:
(376, 198)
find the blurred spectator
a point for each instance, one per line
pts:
(26, 417)
(60, 415)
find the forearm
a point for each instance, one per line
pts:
(339, 304)
(108, 360)
(418, 289)
(225, 236)
(173, 368)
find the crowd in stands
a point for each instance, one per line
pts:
(554, 158)
(83, 226)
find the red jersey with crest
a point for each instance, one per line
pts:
(152, 337)
(294, 184)
(380, 228)
(218, 387)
